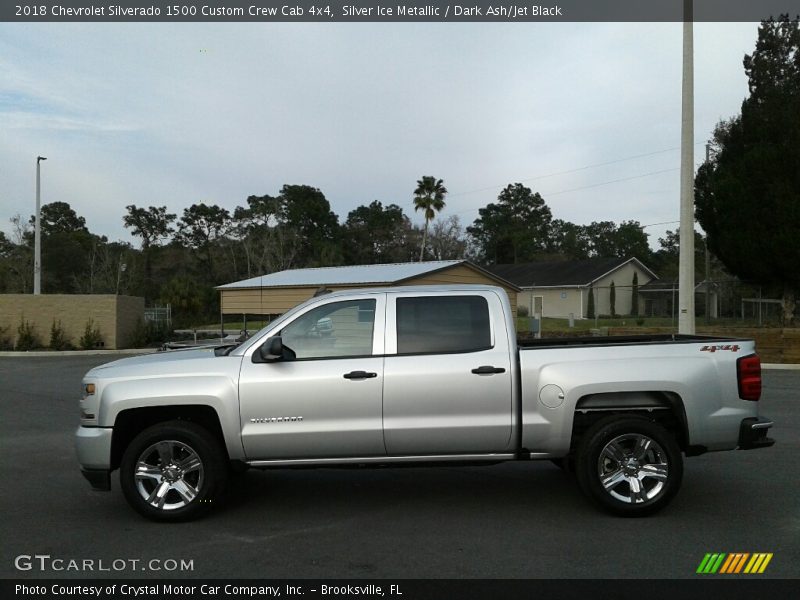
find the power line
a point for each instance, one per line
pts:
(661, 223)
(594, 185)
(586, 187)
(576, 170)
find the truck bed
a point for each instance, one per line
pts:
(617, 340)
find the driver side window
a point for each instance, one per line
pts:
(334, 330)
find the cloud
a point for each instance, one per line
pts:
(175, 114)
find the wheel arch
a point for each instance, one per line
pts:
(663, 407)
(130, 422)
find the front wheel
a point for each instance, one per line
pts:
(173, 471)
(630, 466)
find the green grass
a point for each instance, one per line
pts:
(584, 325)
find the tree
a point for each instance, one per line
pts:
(59, 217)
(429, 198)
(602, 239)
(609, 240)
(6, 252)
(630, 241)
(305, 210)
(201, 226)
(375, 234)
(112, 268)
(19, 257)
(190, 302)
(590, 304)
(516, 229)
(569, 240)
(447, 241)
(635, 295)
(268, 243)
(665, 260)
(748, 195)
(66, 248)
(152, 225)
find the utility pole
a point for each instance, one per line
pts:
(686, 317)
(708, 258)
(37, 239)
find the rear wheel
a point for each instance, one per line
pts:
(630, 466)
(173, 471)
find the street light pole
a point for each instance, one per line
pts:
(37, 240)
(686, 317)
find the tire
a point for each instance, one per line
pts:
(630, 466)
(187, 486)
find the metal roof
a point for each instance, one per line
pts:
(351, 275)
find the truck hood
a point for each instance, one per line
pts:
(156, 361)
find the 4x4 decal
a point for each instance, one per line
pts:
(714, 348)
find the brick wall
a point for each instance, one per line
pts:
(115, 316)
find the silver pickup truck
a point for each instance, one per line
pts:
(429, 375)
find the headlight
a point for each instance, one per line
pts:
(88, 402)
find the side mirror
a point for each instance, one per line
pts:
(271, 350)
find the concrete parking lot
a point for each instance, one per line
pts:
(521, 520)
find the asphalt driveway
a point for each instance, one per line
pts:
(521, 520)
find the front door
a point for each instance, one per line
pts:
(324, 399)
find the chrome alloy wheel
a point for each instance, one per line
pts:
(169, 475)
(633, 468)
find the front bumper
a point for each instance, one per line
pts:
(93, 445)
(753, 433)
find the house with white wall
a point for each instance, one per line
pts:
(559, 289)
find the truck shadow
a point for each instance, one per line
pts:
(539, 487)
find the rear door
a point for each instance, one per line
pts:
(447, 375)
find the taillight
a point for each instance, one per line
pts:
(748, 374)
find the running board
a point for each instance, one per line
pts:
(379, 460)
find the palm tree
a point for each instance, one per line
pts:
(428, 197)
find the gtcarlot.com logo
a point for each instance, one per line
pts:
(733, 564)
(45, 562)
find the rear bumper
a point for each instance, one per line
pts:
(753, 433)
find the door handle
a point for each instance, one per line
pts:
(488, 370)
(360, 375)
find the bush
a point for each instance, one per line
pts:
(26, 337)
(58, 341)
(91, 337)
(148, 333)
(522, 311)
(5, 340)
(640, 322)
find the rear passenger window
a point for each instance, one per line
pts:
(439, 324)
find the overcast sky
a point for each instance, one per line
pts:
(176, 114)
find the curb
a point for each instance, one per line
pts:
(50, 353)
(780, 367)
